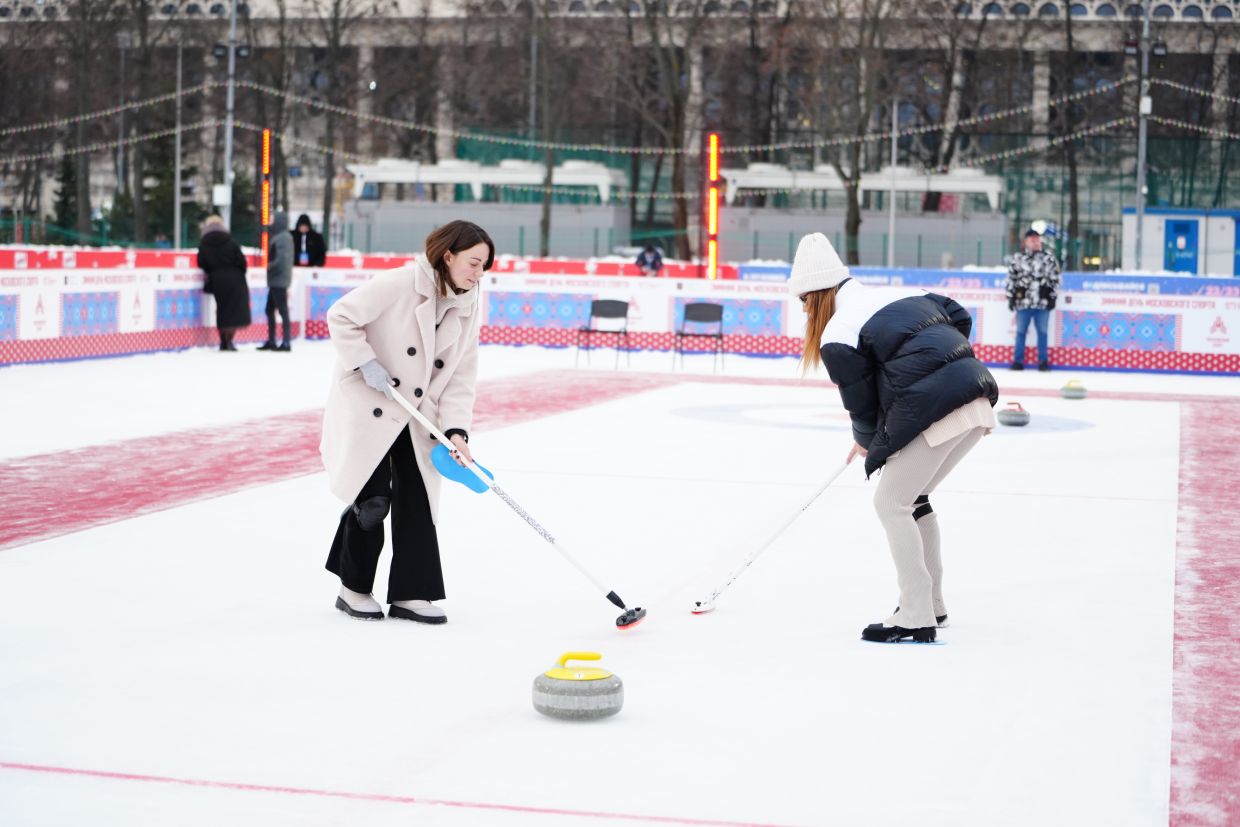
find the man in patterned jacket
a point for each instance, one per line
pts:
(1032, 288)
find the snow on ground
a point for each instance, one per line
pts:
(199, 643)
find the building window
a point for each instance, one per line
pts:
(1049, 10)
(992, 10)
(1191, 13)
(1221, 13)
(1105, 10)
(1163, 11)
(1021, 10)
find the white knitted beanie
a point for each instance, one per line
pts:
(816, 267)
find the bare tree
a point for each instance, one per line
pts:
(957, 38)
(149, 33)
(336, 21)
(844, 55)
(660, 70)
(87, 28)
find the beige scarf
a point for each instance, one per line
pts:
(463, 302)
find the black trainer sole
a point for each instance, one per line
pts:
(352, 612)
(877, 633)
(406, 614)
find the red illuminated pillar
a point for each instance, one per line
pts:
(712, 207)
(264, 207)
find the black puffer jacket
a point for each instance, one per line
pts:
(902, 360)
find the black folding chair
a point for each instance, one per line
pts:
(701, 313)
(605, 309)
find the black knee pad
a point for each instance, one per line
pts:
(370, 512)
(922, 507)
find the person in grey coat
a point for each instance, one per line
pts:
(279, 279)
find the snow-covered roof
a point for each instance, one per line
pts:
(824, 177)
(477, 176)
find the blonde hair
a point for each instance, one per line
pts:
(214, 221)
(819, 308)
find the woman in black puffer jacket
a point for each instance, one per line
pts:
(919, 402)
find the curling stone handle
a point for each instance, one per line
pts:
(567, 656)
(1074, 383)
(1015, 406)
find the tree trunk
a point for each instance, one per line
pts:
(654, 189)
(83, 158)
(544, 220)
(852, 222)
(329, 175)
(852, 226)
(680, 207)
(1074, 210)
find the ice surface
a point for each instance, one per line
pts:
(200, 642)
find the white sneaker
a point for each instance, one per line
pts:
(356, 604)
(420, 611)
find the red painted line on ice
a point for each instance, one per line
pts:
(106, 483)
(1205, 706)
(50, 495)
(376, 797)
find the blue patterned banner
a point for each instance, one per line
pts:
(321, 300)
(8, 318)
(748, 317)
(88, 314)
(1119, 331)
(563, 311)
(178, 309)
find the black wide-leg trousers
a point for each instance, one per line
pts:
(416, 573)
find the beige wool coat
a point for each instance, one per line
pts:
(392, 318)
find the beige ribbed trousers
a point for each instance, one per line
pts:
(915, 470)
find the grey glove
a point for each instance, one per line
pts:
(374, 375)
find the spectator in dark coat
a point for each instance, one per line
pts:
(649, 261)
(221, 259)
(279, 280)
(309, 249)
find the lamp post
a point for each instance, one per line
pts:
(122, 184)
(226, 212)
(891, 212)
(1144, 107)
(176, 165)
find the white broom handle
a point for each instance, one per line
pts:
(760, 549)
(503, 495)
(435, 432)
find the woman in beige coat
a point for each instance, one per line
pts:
(412, 331)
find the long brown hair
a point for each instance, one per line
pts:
(819, 308)
(454, 237)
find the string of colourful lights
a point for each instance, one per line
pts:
(1184, 87)
(564, 146)
(99, 114)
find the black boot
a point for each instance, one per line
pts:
(878, 633)
(1044, 366)
(268, 345)
(1018, 366)
(284, 348)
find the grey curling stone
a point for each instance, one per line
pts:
(1073, 390)
(1013, 414)
(578, 693)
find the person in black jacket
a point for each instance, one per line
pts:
(919, 402)
(221, 259)
(309, 249)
